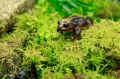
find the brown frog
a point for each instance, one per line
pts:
(74, 24)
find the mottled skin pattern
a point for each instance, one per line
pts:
(75, 25)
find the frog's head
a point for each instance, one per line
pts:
(64, 25)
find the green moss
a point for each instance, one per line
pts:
(104, 36)
(95, 56)
(57, 57)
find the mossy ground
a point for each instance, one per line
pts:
(95, 56)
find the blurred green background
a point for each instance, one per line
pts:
(98, 9)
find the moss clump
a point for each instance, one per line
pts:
(104, 36)
(95, 56)
(97, 53)
(56, 57)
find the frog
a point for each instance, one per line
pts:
(74, 25)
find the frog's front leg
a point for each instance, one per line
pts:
(76, 33)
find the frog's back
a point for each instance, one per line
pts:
(77, 20)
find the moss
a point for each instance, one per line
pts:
(95, 56)
(103, 36)
(58, 57)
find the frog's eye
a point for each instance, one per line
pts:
(66, 25)
(58, 22)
